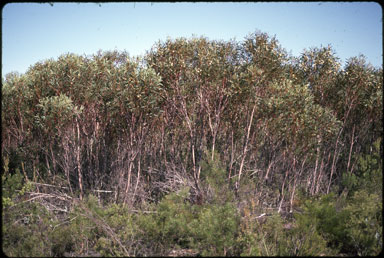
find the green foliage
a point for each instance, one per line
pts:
(20, 242)
(319, 67)
(368, 174)
(327, 219)
(364, 203)
(125, 226)
(214, 231)
(306, 239)
(62, 240)
(352, 226)
(210, 229)
(364, 224)
(265, 53)
(168, 225)
(290, 111)
(56, 111)
(214, 178)
(174, 214)
(13, 185)
(370, 168)
(26, 230)
(278, 237)
(10, 185)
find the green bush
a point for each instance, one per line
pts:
(307, 238)
(174, 214)
(123, 223)
(214, 177)
(273, 238)
(249, 235)
(352, 226)
(25, 224)
(329, 220)
(369, 172)
(62, 240)
(215, 230)
(13, 185)
(363, 208)
(211, 169)
(26, 230)
(211, 229)
(364, 223)
(20, 241)
(168, 225)
(88, 223)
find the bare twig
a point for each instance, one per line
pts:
(67, 221)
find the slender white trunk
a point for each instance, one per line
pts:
(282, 191)
(137, 181)
(335, 154)
(350, 149)
(78, 160)
(245, 147)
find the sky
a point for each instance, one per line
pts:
(33, 32)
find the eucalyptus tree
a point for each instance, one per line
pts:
(197, 77)
(264, 61)
(360, 109)
(18, 136)
(352, 93)
(293, 119)
(320, 68)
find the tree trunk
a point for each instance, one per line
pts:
(245, 147)
(78, 160)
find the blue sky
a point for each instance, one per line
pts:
(34, 32)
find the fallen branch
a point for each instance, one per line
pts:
(67, 221)
(102, 191)
(35, 183)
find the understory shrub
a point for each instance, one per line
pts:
(215, 230)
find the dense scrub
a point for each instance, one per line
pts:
(199, 148)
